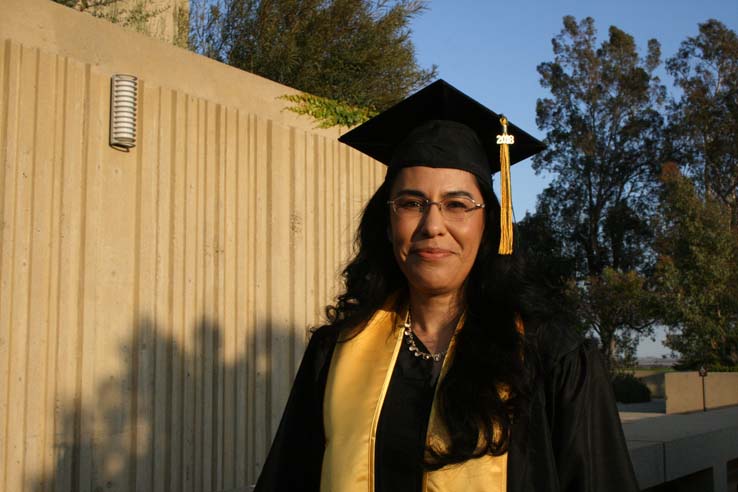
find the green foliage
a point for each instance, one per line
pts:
(548, 265)
(721, 368)
(630, 389)
(358, 52)
(603, 136)
(604, 133)
(181, 27)
(90, 6)
(67, 3)
(697, 227)
(703, 126)
(328, 112)
(692, 366)
(206, 28)
(619, 308)
(135, 15)
(697, 273)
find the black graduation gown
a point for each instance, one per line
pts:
(571, 439)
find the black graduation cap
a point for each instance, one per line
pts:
(439, 126)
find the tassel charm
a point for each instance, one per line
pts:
(506, 227)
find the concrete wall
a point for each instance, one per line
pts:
(684, 391)
(154, 304)
(721, 389)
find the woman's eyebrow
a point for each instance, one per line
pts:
(447, 194)
(458, 193)
(408, 191)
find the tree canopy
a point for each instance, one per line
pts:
(696, 276)
(604, 137)
(697, 273)
(358, 52)
(704, 119)
(621, 241)
(604, 130)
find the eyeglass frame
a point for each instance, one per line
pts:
(428, 202)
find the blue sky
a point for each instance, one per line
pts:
(489, 49)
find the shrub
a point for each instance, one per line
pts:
(717, 367)
(721, 368)
(630, 389)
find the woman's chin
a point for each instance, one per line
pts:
(433, 287)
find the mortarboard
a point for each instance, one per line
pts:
(439, 126)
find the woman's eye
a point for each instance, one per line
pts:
(409, 203)
(456, 204)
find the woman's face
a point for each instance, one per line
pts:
(435, 254)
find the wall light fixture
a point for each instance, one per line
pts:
(123, 109)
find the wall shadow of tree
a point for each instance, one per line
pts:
(176, 418)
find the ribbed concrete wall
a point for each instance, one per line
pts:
(154, 304)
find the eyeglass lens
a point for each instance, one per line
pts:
(454, 208)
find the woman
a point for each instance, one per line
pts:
(433, 373)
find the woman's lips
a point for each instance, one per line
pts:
(431, 253)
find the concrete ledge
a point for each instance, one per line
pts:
(648, 462)
(674, 447)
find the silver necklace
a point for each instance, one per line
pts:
(413, 347)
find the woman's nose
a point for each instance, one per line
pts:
(433, 222)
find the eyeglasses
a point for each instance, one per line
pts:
(453, 208)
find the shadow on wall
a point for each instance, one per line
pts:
(178, 417)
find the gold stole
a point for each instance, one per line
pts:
(358, 379)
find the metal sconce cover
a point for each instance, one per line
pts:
(123, 109)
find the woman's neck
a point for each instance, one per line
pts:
(434, 318)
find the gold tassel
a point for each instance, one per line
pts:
(506, 227)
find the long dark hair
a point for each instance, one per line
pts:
(490, 353)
